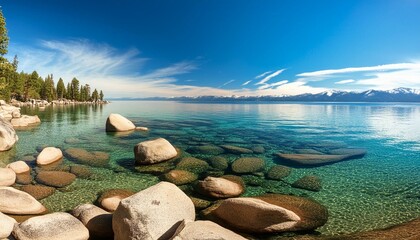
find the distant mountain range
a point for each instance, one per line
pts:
(394, 95)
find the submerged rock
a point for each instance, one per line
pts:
(236, 149)
(49, 155)
(258, 149)
(271, 213)
(180, 177)
(110, 199)
(38, 191)
(278, 172)
(24, 178)
(96, 220)
(335, 155)
(310, 182)
(55, 178)
(200, 203)
(311, 159)
(206, 150)
(117, 123)
(219, 163)
(154, 151)
(95, 158)
(54, 226)
(204, 230)
(219, 188)
(7, 177)
(154, 213)
(13, 201)
(193, 164)
(81, 171)
(248, 165)
(8, 136)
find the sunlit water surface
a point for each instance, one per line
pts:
(377, 191)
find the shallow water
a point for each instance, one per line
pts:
(376, 191)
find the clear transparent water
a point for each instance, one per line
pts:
(377, 191)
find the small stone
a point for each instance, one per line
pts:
(200, 203)
(278, 172)
(154, 151)
(7, 177)
(38, 191)
(180, 177)
(236, 149)
(193, 164)
(219, 188)
(248, 165)
(19, 167)
(110, 199)
(219, 163)
(55, 178)
(204, 230)
(142, 129)
(206, 150)
(49, 155)
(258, 149)
(310, 182)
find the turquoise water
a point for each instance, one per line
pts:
(376, 191)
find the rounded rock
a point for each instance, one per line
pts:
(6, 225)
(310, 182)
(248, 165)
(55, 178)
(117, 123)
(219, 188)
(180, 177)
(278, 172)
(96, 220)
(154, 151)
(49, 155)
(19, 167)
(7, 177)
(111, 198)
(13, 201)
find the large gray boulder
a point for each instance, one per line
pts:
(154, 151)
(272, 213)
(7, 177)
(54, 226)
(204, 230)
(97, 220)
(49, 155)
(117, 123)
(13, 201)
(154, 213)
(6, 225)
(8, 136)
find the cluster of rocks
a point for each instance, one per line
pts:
(45, 103)
(162, 211)
(13, 115)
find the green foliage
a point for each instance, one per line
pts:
(4, 39)
(25, 86)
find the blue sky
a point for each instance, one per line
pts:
(134, 48)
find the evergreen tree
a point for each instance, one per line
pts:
(61, 89)
(95, 95)
(4, 39)
(74, 89)
(101, 96)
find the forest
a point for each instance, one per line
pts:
(24, 86)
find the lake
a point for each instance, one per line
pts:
(376, 191)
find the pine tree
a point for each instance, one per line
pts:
(4, 39)
(74, 89)
(101, 96)
(95, 95)
(61, 89)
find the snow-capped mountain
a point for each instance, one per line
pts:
(394, 95)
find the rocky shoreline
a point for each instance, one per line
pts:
(166, 210)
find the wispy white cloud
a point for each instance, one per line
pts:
(269, 77)
(272, 85)
(246, 83)
(226, 83)
(345, 81)
(386, 67)
(263, 74)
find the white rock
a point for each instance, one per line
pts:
(6, 225)
(54, 226)
(97, 220)
(19, 167)
(13, 201)
(154, 151)
(16, 114)
(7, 177)
(142, 128)
(49, 155)
(154, 213)
(204, 230)
(219, 188)
(8, 136)
(25, 121)
(118, 123)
